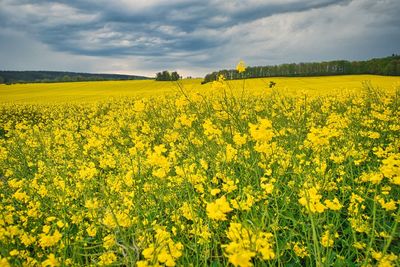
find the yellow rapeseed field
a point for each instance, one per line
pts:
(229, 173)
(96, 91)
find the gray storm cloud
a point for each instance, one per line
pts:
(192, 36)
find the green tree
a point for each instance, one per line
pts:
(167, 76)
(174, 76)
(158, 76)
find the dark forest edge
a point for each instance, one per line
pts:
(389, 66)
(11, 77)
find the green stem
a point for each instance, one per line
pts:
(315, 242)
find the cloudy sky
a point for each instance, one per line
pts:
(193, 37)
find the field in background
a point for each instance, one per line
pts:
(94, 91)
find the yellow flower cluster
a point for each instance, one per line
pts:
(328, 239)
(218, 209)
(310, 198)
(163, 251)
(241, 67)
(246, 244)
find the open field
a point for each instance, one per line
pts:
(94, 91)
(228, 173)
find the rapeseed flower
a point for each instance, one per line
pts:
(218, 209)
(51, 261)
(47, 240)
(311, 199)
(107, 258)
(241, 67)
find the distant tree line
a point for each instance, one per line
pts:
(380, 66)
(167, 76)
(10, 77)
